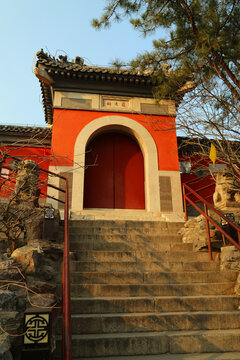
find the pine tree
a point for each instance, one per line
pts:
(203, 43)
(202, 50)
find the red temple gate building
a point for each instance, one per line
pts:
(116, 144)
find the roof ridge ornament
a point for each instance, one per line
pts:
(42, 55)
(63, 58)
(79, 60)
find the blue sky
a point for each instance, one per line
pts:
(59, 27)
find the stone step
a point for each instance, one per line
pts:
(206, 356)
(152, 277)
(152, 322)
(99, 255)
(154, 304)
(125, 224)
(166, 266)
(127, 231)
(129, 238)
(176, 342)
(129, 245)
(123, 290)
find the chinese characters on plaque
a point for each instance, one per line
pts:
(113, 103)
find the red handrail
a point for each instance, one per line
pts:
(200, 179)
(66, 300)
(201, 188)
(208, 218)
(67, 324)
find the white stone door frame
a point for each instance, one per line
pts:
(146, 143)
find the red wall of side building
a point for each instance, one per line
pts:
(40, 155)
(199, 178)
(67, 124)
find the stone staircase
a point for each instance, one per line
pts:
(138, 292)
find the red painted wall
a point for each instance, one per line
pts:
(40, 155)
(67, 124)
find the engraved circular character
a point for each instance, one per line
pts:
(37, 328)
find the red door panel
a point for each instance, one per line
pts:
(98, 183)
(129, 174)
(117, 181)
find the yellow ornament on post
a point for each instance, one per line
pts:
(213, 154)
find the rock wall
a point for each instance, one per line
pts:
(194, 231)
(28, 277)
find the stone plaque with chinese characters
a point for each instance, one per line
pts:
(115, 103)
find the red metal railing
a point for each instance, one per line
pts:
(200, 185)
(66, 300)
(208, 219)
(67, 323)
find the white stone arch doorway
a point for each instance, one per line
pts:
(146, 143)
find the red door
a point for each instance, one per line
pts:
(114, 175)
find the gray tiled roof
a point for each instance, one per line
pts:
(24, 129)
(62, 66)
(27, 135)
(63, 69)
